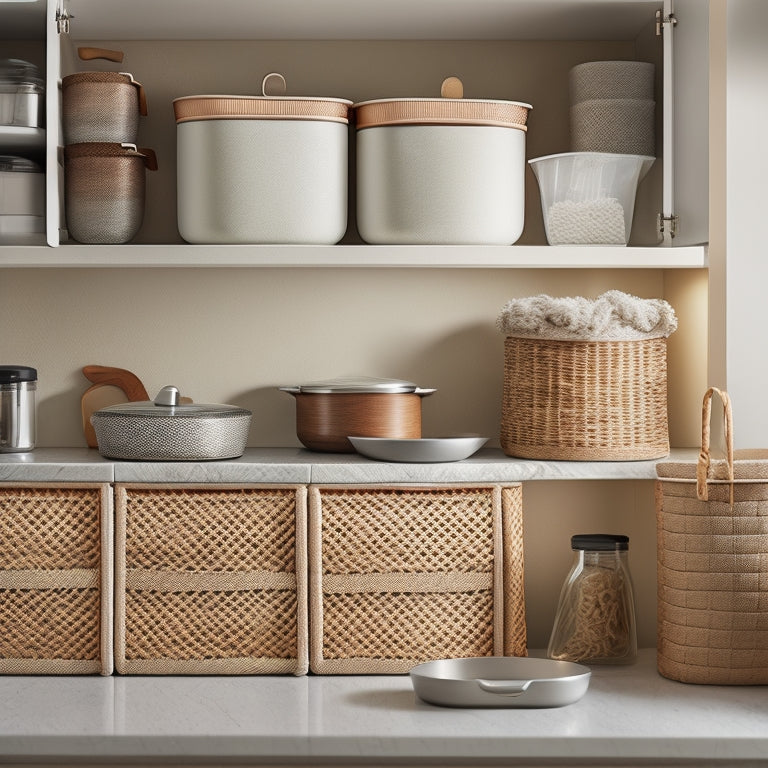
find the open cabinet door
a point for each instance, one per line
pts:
(54, 174)
(685, 215)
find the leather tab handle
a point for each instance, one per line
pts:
(87, 54)
(702, 469)
(118, 377)
(150, 158)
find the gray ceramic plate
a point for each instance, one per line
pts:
(423, 450)
(500, 681)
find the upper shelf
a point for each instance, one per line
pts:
(440, 256)
(344, 19)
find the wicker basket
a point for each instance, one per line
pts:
(585, 400)
(211, 580)
(404, 574)
(55, 579)
(712, 521)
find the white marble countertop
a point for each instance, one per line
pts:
(629, 715)
(297, 465)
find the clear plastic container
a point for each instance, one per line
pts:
(588, 198)
(595, 620)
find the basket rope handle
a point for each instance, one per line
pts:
(702, 469)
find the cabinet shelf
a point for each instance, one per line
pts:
(422, 256)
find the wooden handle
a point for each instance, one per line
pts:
(118, 377)
(87, 54)
(702, 469)
(452, 88)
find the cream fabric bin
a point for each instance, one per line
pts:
(441, 171)
(262, 169)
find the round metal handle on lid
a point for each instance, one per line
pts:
(504, 687)
(273, 84)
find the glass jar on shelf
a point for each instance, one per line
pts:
(595, 619)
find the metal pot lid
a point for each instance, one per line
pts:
(355, 384)
(450, 109)
(167, 403)
(271, 105)
(17, 74)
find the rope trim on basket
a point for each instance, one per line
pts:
(702, 469)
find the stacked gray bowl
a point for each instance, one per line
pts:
(612, 107)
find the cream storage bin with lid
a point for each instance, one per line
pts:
(441, 170)
(262, 169)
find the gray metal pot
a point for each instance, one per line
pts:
(164, 429)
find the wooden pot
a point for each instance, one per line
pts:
(325, 420)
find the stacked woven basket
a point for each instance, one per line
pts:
(612, 107)
(585, 380)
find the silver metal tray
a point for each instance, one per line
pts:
(500, 681)
(418, 450)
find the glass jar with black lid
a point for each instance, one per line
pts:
(595, 619)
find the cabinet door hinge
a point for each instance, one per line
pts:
(673, 220)
(661, 20)
(62, 18)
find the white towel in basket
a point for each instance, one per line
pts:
(613, 316)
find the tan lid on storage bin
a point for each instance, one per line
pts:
(264, 107)
(450, 109)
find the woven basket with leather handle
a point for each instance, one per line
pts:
(210, 580)
(55, 579)
(712, 518)
(402, 575)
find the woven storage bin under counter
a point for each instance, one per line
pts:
(405, 574)
(712, 524)
(567, 396)
(210, 579)
(55, 579)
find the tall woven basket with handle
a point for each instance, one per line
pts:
(712, 523)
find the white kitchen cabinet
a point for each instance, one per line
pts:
(520, 50)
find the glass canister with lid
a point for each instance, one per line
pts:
(595, 619)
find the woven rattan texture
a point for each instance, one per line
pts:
(222, 107)
(515, 631)
(712, 590)
(625, 126)
(50, 595)
(585, 400)
(100, 110)
(442, 111)
(403, 575)
(209, 581)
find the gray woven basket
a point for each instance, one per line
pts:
(611, 80)
(625, 126)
